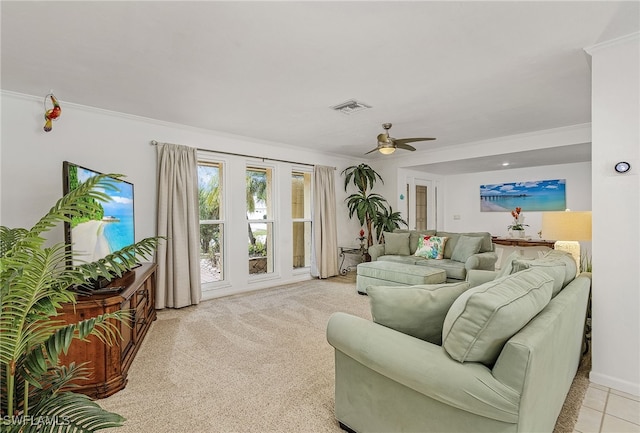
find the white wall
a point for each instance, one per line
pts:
(460, 194)
(616, 210)
(462, 197)
(31, 165)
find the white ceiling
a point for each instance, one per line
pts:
(458, 71)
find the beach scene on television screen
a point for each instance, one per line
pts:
(538, 195)
(110, 229)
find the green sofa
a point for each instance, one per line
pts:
(459, 255)
(498, 357)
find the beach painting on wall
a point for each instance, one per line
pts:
(538, 195)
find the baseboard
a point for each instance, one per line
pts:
(615, 383)
(346, 428)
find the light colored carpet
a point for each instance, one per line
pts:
(257, 362)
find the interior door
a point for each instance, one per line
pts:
(422, 194)
(422, 210)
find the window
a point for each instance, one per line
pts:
(210, 198)
(301, 217)
(260, 219)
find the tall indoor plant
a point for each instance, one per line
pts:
(35, 280)
(364, 204)
(387, 220)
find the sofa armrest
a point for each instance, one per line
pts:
(423, 367)
(376, 251)
(475, 277)
(485, 261)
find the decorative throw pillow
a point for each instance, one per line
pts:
(465, 248)
(396, 243)
(418, 311)
(431, 247)
(415, 236)
(483, 318)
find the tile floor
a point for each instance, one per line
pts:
(606, 410)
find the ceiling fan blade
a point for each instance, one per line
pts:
(373, 150)
(405, 146)
(411, 140)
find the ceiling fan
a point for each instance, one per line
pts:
(387, 144)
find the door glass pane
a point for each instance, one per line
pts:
(300, 195)
(260, 248)
(421, 207)
(259, 220)
(211, 225)
(301, 215)
(301, 244)
(211, 253)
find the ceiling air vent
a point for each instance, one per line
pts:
(350, 107)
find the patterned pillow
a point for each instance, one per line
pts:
(431, 247)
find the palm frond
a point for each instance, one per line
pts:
(119, 262)
(20, 306)
(59, 338)
(9, 237)
(363, 176)
(75, 413)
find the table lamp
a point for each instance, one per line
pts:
(568, 228)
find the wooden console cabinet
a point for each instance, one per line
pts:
(518, 242)
(110, 364)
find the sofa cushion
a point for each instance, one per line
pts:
(452, 240)
(558, 264)
(431, 247)
(407, 260)
(396, 243)
(418, 310)
(401, 273)
(454, 270)
(483, 318)
(465, 248)
(486, 246)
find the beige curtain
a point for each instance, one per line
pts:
(178, 275)
(325, 239)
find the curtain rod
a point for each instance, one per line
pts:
(155, 143)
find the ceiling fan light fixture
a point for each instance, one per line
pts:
(387, 150)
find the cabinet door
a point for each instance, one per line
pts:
(141, 298)
(127, 329)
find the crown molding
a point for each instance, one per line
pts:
(612, 42)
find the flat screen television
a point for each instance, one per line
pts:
(92, 237)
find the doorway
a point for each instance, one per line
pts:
(423, 212)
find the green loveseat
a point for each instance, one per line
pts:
(501, 359)
(460, 255)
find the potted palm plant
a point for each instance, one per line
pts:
(387, 220)
(364, 204)
(35, 280)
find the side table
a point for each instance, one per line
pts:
(361, 251)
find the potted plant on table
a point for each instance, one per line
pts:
(517, 226)
(35, 281)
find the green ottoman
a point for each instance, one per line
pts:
(396, 274)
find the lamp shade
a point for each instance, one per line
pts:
(568, 226)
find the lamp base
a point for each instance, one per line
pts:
(571, 247)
